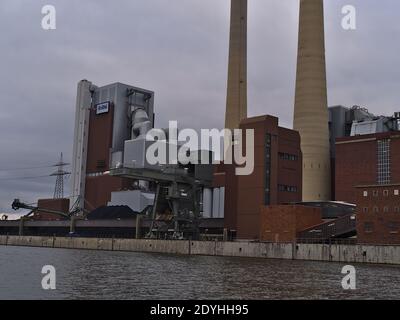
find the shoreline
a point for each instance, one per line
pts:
(367, 254)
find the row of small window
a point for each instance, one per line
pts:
(287, 156)
(384, 210)
(394, 227)
(386, 193)
(283, 188)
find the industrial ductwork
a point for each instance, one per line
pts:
(141, 124)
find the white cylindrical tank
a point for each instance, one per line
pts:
(207, 202)
(221, 202)
(215, 207)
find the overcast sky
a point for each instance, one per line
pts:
(179, 49)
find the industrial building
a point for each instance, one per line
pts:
(276, 178)
(111, 168)
(372, 159)
(378, 213)
(355, 121)
(283, 223)
(117, 192)
(287, 169)
(367, 171)
(59, 205)
(110, 171)
(103, 122)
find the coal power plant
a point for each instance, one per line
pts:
(115, 190)
(304, 186)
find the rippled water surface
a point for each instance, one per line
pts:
(120, 275)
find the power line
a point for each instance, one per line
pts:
(28, 168)
(23, 178)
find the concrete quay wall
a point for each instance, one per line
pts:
(288, 251)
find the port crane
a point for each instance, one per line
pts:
(17, 205)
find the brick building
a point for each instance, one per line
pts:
(378, 214)
(282, 223)
(366, 160)
(98, 186)
(59, 205)
(277, 176)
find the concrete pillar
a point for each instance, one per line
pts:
(138, 226)
(311, 105)
(21, 226)
(226, 234)
(221, 209)
(236, 104)
(72, 225)
(216, 200)
(207, 202)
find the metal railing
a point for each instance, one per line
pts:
(330, 230)
(330, 241)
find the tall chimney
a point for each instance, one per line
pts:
(236, 104)
(311, 105)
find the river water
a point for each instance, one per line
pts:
(84, 274)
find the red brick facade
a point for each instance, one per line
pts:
(100, 141)
(378, 214)
(98, 186)
(282, 223)
(357, 163)
(98, 190)
(61, 205)
(277, 176)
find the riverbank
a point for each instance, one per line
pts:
(288, 251)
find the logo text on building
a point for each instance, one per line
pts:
(102, 108)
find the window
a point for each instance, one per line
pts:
(287, 156)
(369, 227)
(101, 164)
(268, 146)
(283, 188)
(396, 210)
(396, 192)
(365, 193)
(375, 193)
(376, 210)
(384, 161)
(365, 210)
(393, 227)
(386, 209)
(386, 193)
